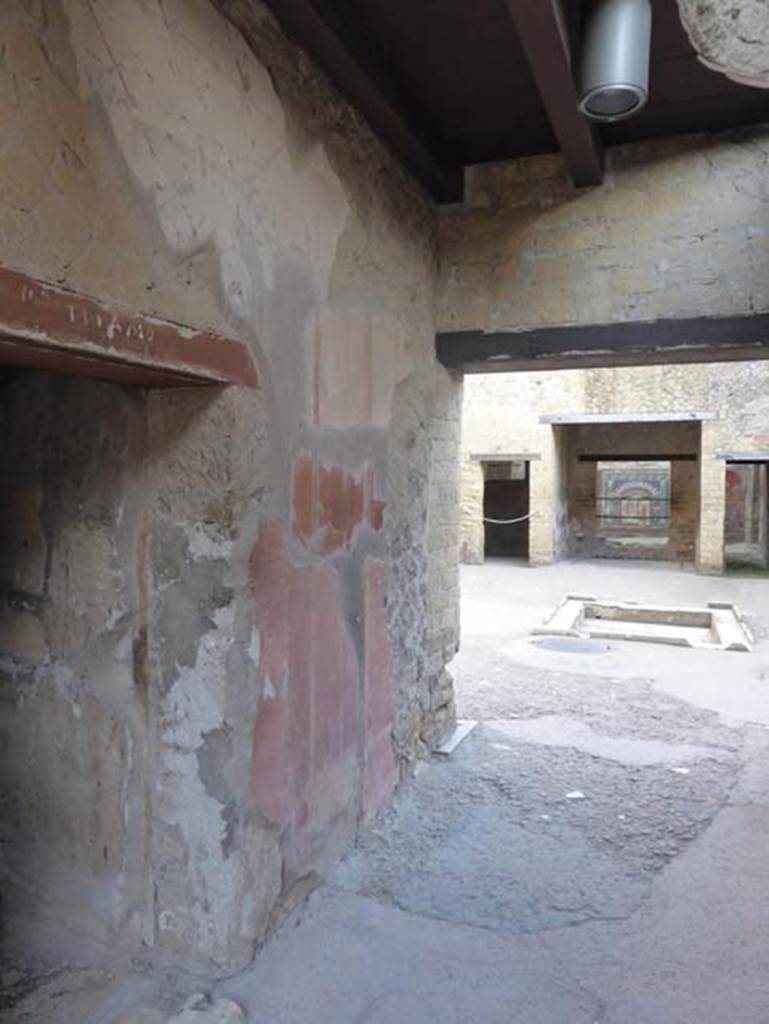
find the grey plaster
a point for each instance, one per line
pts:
(594, 851)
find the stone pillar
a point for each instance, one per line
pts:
(763, 513)
(543, 502)
(710, 537)
(443, 533)
(471, 512)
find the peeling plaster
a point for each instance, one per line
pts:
(220, 895)
(237, 191)
(152, 161)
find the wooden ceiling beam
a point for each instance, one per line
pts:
(543, 32)
(353, 64)
(699, 339)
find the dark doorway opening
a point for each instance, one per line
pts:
(746, 521)
(506, 509)
(633, 490)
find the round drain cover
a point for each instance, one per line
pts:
(572, 645)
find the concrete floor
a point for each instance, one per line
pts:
(596, 850)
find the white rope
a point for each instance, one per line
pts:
(509, 522)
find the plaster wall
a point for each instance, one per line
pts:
(212, 601)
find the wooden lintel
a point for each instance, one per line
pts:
(48, 327)
(639, 343)
(640, 457)
(583, 419)
(744, 457)
(504, 456)
(543, 34)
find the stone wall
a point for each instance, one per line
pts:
(678, 229)
(471, 530)
(213, 601)
(443, 561)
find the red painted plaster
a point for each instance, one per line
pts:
(53, 328)
(303, 498)
(308, 716)
(330, 502)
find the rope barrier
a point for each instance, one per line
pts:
(509, 522)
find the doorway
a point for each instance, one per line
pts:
(506, 507)
(746, 536)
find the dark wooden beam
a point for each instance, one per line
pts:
(639, 457)
(675, 340)
(352, 62)
(46, 327)
(544, 35)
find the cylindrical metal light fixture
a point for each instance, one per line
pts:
(615, 59)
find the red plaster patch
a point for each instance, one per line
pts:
(307, 721)
(330, 502)
(304, 497)
(376, 514)
(380, 770)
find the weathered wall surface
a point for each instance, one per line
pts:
(74, 755)
(245, 575)
(679, 228)
(501, 414)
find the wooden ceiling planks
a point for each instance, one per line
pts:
(448, 83)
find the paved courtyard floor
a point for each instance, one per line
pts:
(597, 850)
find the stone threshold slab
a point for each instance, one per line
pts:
(719, 626)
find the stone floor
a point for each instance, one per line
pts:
(596, 850)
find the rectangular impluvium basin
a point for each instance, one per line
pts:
(716, 627)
